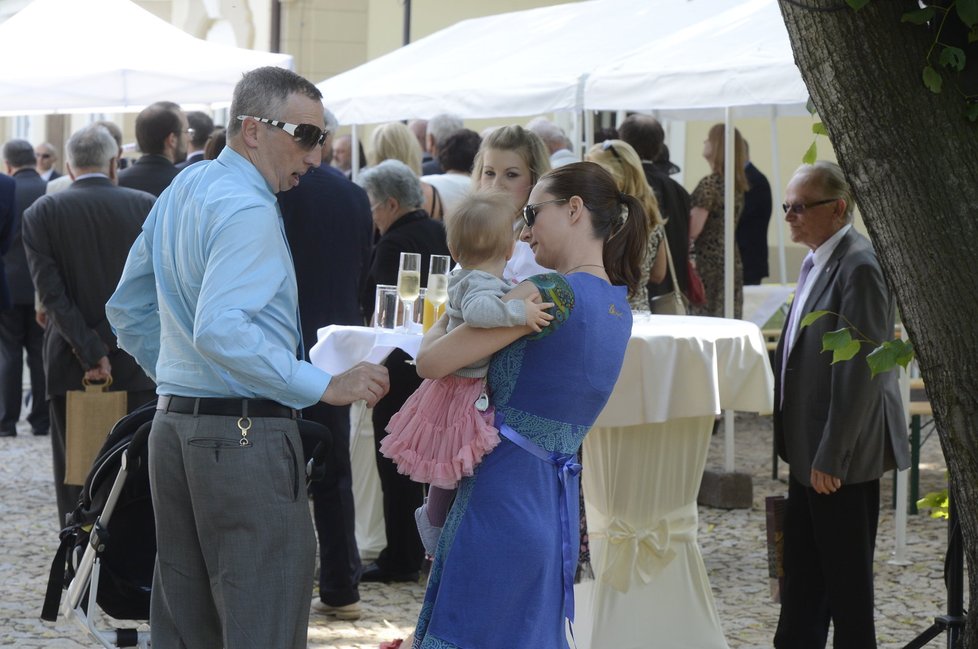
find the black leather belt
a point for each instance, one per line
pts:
(225, 407)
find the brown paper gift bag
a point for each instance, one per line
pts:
(90, 415)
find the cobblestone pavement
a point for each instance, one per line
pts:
(732, 542)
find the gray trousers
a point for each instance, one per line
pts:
(235, 543)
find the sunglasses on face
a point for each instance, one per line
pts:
(308, 136)
(800, 208)
(530, 210)
(43, 155)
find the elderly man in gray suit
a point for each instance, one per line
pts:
(837, 427)
(76, 243)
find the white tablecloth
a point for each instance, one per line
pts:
(643, 463)
(642, 467)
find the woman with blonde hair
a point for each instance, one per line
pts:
(622, 162)
(511, 159)
(706, 223)
(395, 141)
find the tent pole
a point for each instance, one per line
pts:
(729, 158)
(777, 189)
(589, 116)
(355, 153)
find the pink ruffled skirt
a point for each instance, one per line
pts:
(438, 436)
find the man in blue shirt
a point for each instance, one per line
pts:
(207, 305)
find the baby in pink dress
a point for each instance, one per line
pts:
(445, 428)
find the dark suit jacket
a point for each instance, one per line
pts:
(674, 206)
(30, 187)
(196, 156)
(8, 225)
(77, 242)
(330, 231)
(835, 418)
(151, 173)
(752, 228)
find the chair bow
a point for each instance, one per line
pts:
(644, 551)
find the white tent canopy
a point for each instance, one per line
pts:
(89, 71)
(609, 54)
(740, 57)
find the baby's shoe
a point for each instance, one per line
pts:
(428, 532)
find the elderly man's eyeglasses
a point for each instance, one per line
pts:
(308, 136)
(44, 156)
(530, 211)
(799, 208)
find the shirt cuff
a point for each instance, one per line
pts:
(308, 385)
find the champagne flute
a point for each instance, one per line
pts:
(437, 292)
(409, 284)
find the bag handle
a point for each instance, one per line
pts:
(96, 387)
(672, 268)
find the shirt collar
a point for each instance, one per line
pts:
(248, 172)
(824, 251)
(91, 175)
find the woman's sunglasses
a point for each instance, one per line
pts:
(308, 136)
(530, 211)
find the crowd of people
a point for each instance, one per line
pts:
(198, 277)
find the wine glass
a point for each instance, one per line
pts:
(437, 292)
(409, 284)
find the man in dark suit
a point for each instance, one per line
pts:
(837, 427)
(328, 226)
(8, 199)
(161, 132)
(18, 329)
(646, 136)
(201, 127)
(77, 242)
(751, 231)
(395, 198)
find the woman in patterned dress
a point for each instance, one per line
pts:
(624, 165)
(706, 224)
(504, 569)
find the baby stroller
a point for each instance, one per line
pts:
(109, 544)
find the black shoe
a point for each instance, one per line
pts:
(374, 573)
(40, 433)
(8, 432)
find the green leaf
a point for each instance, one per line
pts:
(846, 353)
(811, 317)
(811, 155)
(890, 354)
(968, 12)
(857, 4)
(972, 112)
(973, 34)
(933, 80)
(918, 16)
(810, 106)
(952, 57)
(835, 340)
(818, 128)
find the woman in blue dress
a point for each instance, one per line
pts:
(504, 569)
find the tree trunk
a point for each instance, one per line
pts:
(912, 159)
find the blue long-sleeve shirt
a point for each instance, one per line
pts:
(207, 303)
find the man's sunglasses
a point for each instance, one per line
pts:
(530, 210)
(307, 135)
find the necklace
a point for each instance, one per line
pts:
(582, 266)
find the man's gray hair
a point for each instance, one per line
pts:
(833, 183)
(393, 179)
(91, 148)
(19, 153)
(262, 92)
(551, 134)
(443, 126)
(330, 119)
